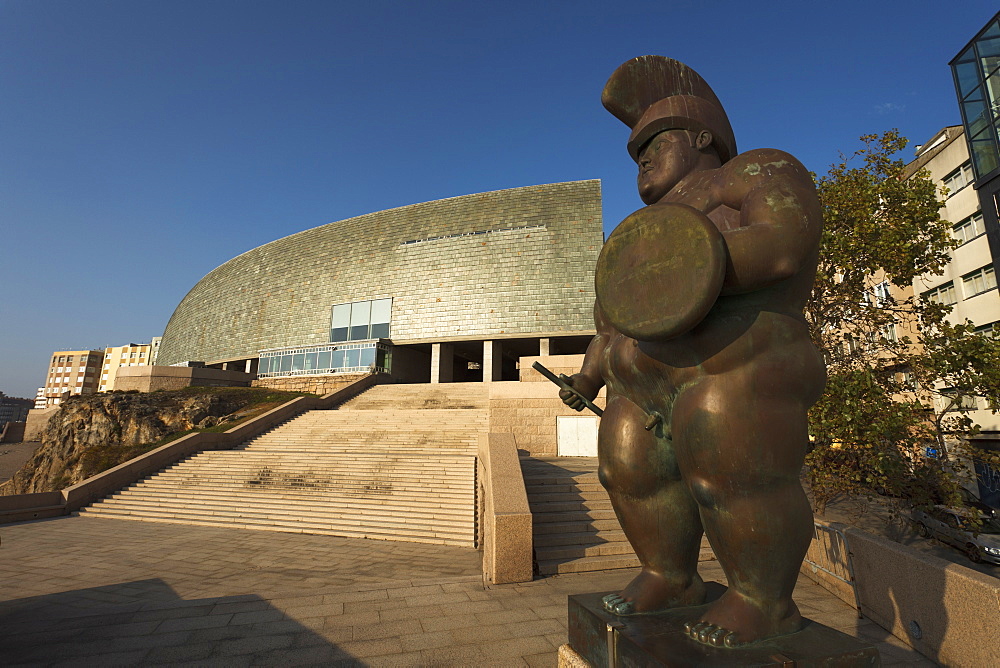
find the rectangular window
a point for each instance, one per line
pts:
(381, 315)
(979, 281)
(361, 313)
(310, 361)
(286, 363)
(264, 366)
(970, 228)
(324, 360)
(367, 357)
(338, 359)
(352, 357)
(991, 330)
(958, 179)
(341, 322)
(298, 361)
(943, 294)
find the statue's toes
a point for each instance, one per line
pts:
(732, 640)
(693, 628)
(704, 633)
(610, 601)
(624, 608)
(718, 637)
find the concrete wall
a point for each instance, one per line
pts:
(498, 263)
(152, 378)
(943, 610)
(528, 409)
(37, 419)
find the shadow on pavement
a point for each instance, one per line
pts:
(146, 622)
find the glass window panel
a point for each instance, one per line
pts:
(341, 315)
(298, 359)
(380, 358)
(381, 310)
(338, 359)
(989, 53)
(264, 365)
(984, 153)
(310, 361)
(351, 357)
(359, 332)
(286, 363)
(339, 334)
(993, 30)
(976, 117)
(367, 357)
(967, 75)
(380, 330)
(360, 313)
(323, 361)
(993, 92)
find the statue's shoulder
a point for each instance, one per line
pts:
(762, 163)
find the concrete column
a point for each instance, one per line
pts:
(442, 363)
(248, 366)
(492, 361)
(543, 347)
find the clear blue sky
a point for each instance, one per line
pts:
(143, 143)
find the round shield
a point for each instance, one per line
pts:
(660, 271)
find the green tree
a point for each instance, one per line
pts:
(889, 352)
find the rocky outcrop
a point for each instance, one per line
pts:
(90, 434)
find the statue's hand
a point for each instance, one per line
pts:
(581, 384)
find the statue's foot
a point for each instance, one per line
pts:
(650, 592)
(734, 620)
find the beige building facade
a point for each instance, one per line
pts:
(132, 354)
(968, 282)
(70, 372)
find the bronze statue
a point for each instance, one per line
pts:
(707, 360)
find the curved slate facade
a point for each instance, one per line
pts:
(491, 265)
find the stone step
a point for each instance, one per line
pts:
(234, 488)
(335, 517)
(587, 564)
(582, 550)
(574, 516)
(429, 504)
(579, 538)
(542, 507)
(437, 538)
(548, 528)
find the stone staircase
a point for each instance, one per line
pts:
(395, 463)
(575, 529)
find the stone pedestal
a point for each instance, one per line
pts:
(602, 639)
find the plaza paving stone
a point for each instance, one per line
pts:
(88, 591)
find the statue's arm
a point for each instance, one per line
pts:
(780, 220)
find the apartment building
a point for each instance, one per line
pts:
(132, 354)
(969, 281)
(70, 372)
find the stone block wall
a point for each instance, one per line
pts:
(320, 385)
(495, 264)
(529, 411)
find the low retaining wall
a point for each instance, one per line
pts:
(314, 384)
(152, 378)
(945, 611)
(21, 506)
(506, 518)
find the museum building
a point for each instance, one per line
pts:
(451, 290)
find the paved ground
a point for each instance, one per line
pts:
(86, 591)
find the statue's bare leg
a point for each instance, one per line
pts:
(655, 509)
(740, 447)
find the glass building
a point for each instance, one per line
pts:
(976, 70)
